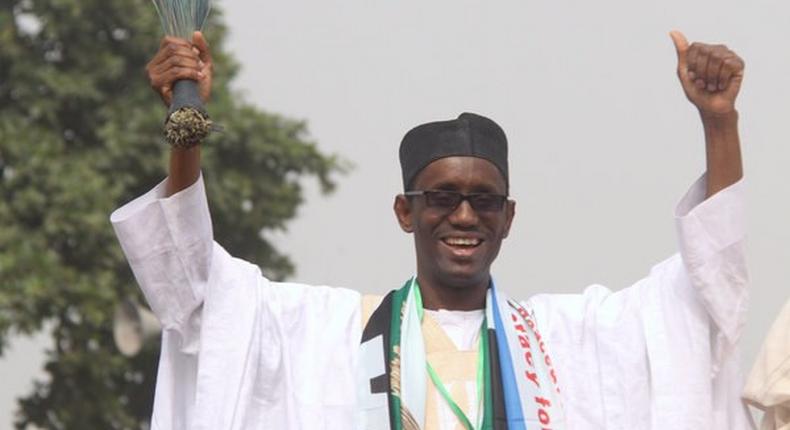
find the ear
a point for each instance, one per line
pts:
(402, 208)
(510, 213)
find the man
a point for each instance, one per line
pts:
(768, 385)
(447, 350)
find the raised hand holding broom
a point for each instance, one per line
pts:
(180, 61)
(187, 121)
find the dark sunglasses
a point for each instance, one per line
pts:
(449, 200)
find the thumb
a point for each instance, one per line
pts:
(681, 46)
(200, 42)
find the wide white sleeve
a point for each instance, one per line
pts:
(662, 352)
(711, 236)
(168, 243)
(238, 351)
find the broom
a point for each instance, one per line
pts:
(187, 122)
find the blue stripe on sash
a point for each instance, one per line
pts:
(515, 416)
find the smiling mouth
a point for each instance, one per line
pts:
(463, 242)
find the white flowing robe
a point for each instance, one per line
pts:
(768, 385)
(242, 352)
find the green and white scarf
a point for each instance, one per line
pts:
(516, 382)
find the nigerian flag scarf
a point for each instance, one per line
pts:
(516, 383)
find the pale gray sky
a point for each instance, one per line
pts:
(603, 142)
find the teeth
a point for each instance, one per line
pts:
(462, 241)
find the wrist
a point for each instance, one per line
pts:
(719, 120)
(189, 151)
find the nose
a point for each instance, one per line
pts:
(463, 215)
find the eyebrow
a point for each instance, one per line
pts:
(479, 188)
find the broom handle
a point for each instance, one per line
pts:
(186, 94)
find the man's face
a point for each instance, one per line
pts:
(455, 248)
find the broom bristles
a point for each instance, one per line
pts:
(181, 18)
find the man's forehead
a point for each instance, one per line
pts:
(461, 171)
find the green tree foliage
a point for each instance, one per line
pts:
(80, 134)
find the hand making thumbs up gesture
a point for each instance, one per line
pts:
(711, 75)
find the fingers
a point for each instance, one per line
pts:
(172, 74)
(691, 58)
(178, 62)
(168, 74)
(712, 67)
(731, 72)
(714, 72)
(170, 46)
(699, 67)
(175, 60)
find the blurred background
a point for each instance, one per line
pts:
(315, 97)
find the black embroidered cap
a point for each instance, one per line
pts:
(468, 135)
